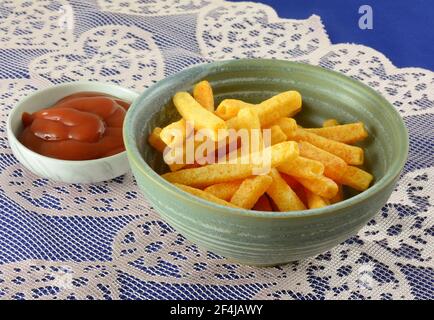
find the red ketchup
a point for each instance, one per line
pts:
(82, 126)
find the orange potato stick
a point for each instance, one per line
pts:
(224, 172)
(248, 118)
(339, 196)
(263, 204)
(232, 123)
(204, 195)
(176, 166)
(179, 161)
(229, 108)
(321, 186)
(174, 133)
(350, 154)
(224, 190)
(192, 165)
(279, 154)
(201, 118)
(202, 92)
(330, 123)
(346, 133)
(283, 196)
(155, 141)
(334, 167)
(301, 194)
(284, 104)
(288, 126)
(302, 167)
(356, 178)
(250, 190)
(277, 135)
(315, 201)
(295, 186)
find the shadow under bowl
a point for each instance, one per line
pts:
(269, 238)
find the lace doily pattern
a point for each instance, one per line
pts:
(118, 54)
(250, 30)
(34, 24)
(154, 7)
(105, 241)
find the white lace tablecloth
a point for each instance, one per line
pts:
(105, 241)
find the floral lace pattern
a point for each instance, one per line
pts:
(105, 241)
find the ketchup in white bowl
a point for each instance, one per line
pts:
(81, 126)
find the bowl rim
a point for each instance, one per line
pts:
(136, 158)
(13, 111)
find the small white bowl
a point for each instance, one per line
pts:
(86, 171)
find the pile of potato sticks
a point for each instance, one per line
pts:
(308, 166)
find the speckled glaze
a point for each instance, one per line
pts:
(87, 171)
(264, 238)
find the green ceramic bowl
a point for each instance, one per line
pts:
(264, 238)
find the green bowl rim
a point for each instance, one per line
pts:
(135, 156)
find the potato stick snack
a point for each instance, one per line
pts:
(224, 190)
(296, 186)
(330, 123)
(356, 178)
(155, 141)
(224, 172)
(282, 105)
(345, 133)
(248, 118)
(210, 174)
(229, 108)
(204, 195)
(321, 186)
(174, 133)
(256, 156)
(250, 190)
(302, 167)
(279, 154)
(202, 92)
(283, 196)
(288, 126)
(315, 201)
(339, 196)
(334, 167)
(350, 154)
(192, 111)
(277, 135)
(177, 161)
(285, 104)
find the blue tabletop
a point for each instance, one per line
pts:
(402, 29)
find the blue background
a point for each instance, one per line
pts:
(403, 30)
